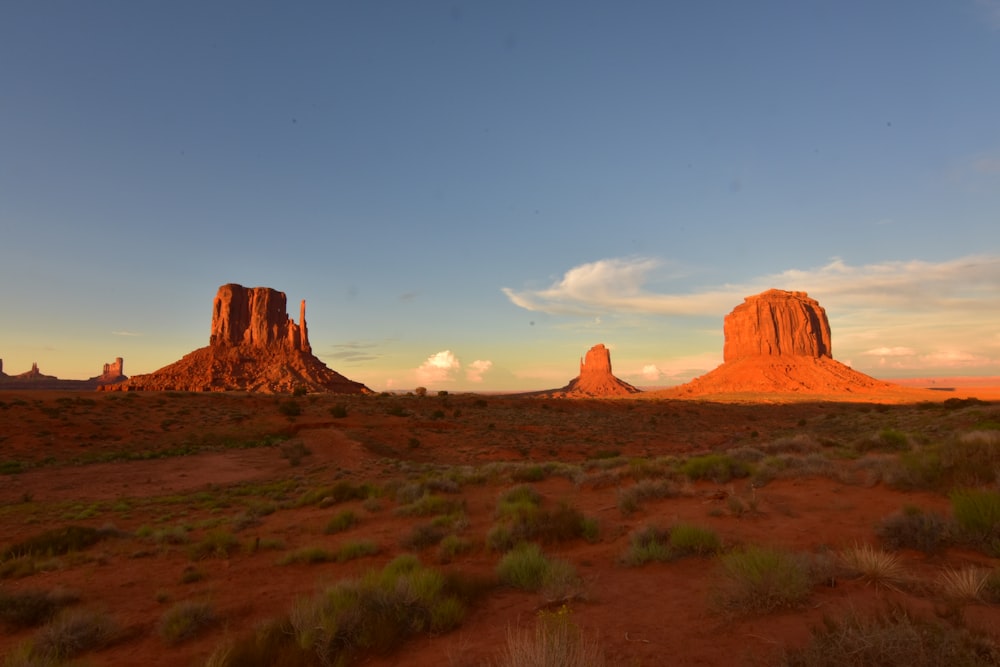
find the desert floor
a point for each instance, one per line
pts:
(201, 498)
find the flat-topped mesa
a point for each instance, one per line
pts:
(256, 317)
(777, 323)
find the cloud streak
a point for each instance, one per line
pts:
(899, 314)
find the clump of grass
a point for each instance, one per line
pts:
(72, 632)
(875, 566)
(375, 613)
(57, 542)
(340, 492)
(656, 544)
(893, 638)
(215, 544)
(968, 584)
(356, 549)
(522, 519)
(554, 641)
(423, 536)
(527, 568)
(912, 528)
(186, 620)
(430, 505)
(630, 498)
(760, 579)
(27, 609)
(341, 521)
(977, 516)
(719, 468)
(308, 556)
(452, 546)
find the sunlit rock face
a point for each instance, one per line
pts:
(253, 346)
(596, 379)
(776, 323)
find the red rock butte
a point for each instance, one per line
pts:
(595, 379)
(253, 346)
(778, 342)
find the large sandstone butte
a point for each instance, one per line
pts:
(779, 342)
(595, 379)
(253, 346)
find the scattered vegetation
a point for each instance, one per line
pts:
(893, 638)
(681, 540)
(912, 528)
(977, 517)
(71, 633)
(719, 468)
(341, 521)
(554, 641)
(760, 579)
(186, 620)
(30, 608)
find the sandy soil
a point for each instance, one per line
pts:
(89, 459)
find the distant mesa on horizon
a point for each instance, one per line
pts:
(253, 346)
(778, 342)
(34, 379)
(595, 379)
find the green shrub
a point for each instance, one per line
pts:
(186, 620)
(452, 546)
(912, 528)
(338, 493)
(718, 468)
(358, 549)
(527, 568)
(289, 408)
(679, 541)
(431, 504)
(340, 522)
(759, 579)
(977, 515)
(216, 544)
(307, 555)
(893, 638)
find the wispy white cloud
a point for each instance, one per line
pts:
(900, 314)
(475, 370)
(439, 367)
(125, 333)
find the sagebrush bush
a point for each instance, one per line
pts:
(25, 609)
(893, 638)
(527, 568)
(759, 579)
(186, 620)
(340, 522)
(718, 468)
(912, 528)
(215, 544)
(555, 641)
(72, 632)
(681, 540)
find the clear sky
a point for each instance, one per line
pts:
(469, 195)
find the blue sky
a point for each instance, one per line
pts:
(469, 195)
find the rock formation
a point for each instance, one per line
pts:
(778, 342)
(776, 323)
(253, 346)
(595, 379)
(113, 373)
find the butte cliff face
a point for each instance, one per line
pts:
(776, 323)
(778, 342)
(253, 346)
(595, 380)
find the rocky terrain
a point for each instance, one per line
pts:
(253, 346)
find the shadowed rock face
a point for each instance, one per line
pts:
(777, 323)
(256, 317)
(253, 346)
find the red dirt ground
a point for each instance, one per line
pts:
(70, 449)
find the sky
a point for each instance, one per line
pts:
(469, 195)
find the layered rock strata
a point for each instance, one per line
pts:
(253, 346)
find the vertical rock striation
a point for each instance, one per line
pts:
(776, 323)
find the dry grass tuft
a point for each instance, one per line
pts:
(875, 566)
